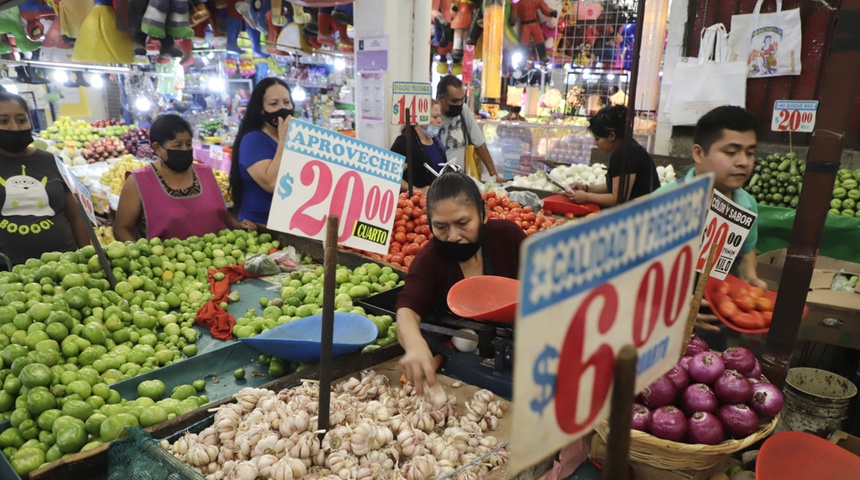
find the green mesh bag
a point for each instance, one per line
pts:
(139, 457)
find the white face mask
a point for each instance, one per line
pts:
(431, 131)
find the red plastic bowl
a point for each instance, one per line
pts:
(735, 282)
(485, 298)
(562, 204)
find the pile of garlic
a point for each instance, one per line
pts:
(377, 432)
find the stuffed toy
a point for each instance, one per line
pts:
(99, 40)
(550, 26)
(530, 30)
(583, 59)
(461, 23)
(166, 20)
(11, 26)
(33, 12)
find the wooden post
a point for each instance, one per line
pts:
(103, 260)
(841, 79)
(696, 302)
(329, 286)
(410, 171)
(620, 417)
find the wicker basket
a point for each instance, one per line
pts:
(668, 455)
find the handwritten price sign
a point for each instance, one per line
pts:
(412, 95)
(324, 173)
(588, 289)
(728, 224)
(794, 115)
(78, 189)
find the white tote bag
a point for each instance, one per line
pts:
(708, 81)
(768, 42)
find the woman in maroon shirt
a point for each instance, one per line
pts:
(465, 244)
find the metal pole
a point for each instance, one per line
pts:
(825, 152)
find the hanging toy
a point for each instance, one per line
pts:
(167, 20)
(443, 35)
(11, 26)
(33, 12)
(235, 24)
(530, 31)
(72, 14)
(583, 59)
(342, 17)
(461, 23)
(99, 40)
(231, 65)
(255, 14)
(287, 33)
(550, 25)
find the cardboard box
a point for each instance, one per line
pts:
(834, 316)
(847, 441)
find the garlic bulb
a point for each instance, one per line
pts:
(288, 469)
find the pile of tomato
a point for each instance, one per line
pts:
(745, 306)
(412, 227)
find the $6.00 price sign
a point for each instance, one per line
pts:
(588, 289)
(324, 173)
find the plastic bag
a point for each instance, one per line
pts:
(844, 282)
(261, 265)
(526, 199)
(286, 260)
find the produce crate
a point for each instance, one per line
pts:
(382, 303)
(92, 464)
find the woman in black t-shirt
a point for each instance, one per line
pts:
(608, 127)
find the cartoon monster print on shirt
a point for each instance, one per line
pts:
(26, 196)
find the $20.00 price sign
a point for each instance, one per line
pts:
(324, 173)
(588, 289)
(794, 115)
(412, 95)
(728, 225)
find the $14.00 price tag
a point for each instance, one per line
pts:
(587, 290)
(794, 115)
(324, 173)
(728, 224)
(412, 95)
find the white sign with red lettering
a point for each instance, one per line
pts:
(794, 116)
(78, 189)
(728, 224)
(412, 95)
(325, 173)
(588, 289)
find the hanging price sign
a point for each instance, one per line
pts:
(728, 225)
(78, 189)
(412, 95)
(325, 173)
(794, 115)
(588, 289)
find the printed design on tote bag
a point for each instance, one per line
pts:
(762, 57)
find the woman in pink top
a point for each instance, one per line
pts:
(173, 197)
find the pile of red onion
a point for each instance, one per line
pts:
(707, 397)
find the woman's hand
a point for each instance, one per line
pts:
(248, 225)
(417, 365)
(499, 178)
(707, 322)
(283, 126)
(578, 196)
(578, 186)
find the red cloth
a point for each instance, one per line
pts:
(211, 315)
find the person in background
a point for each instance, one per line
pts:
(172, 197)
(258, 149)
(724, 144)
(427, 150)
(451, 95)
(38, 212)
(465, 244)
(608, 129)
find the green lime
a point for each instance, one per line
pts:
(239, 373)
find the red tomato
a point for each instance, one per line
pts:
(412, 249)
(405, 217)
(767, 316)
(410, 237)
(526, 224)
(745, 320)
(397, 258)
(531, 231)
(423, 219)
(491, 194)
(491, 202)
(407, 212)
(401, 202)
(423, 202)
(764, 304)
(407, 261)
(400, 228)
(725, 288)
(394, 249)
(399, 237)
(569, 216)
(527, 209)
(759, 319)
(506, 201)
(745, 303)
(410, 226)
(417, 212)
(386, 258)
(728, 308)
(756, 292)
(420, 239)
(399, 223)
(416, 199)
(546, 212)
(741, 292)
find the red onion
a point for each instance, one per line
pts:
(732, 387)
(685, 362)
(668, 423)
(766, 399)
(698, 398)
(661, 392)
(696, 345)
(756, 371)
(739, 359)
(680, 377)
(705, 428)
(706, 367)
(641, 418)
(739, 420)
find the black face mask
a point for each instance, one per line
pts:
(179, 160)
(460, 251)
(454, 111)
(15, 141)
(272, 117)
